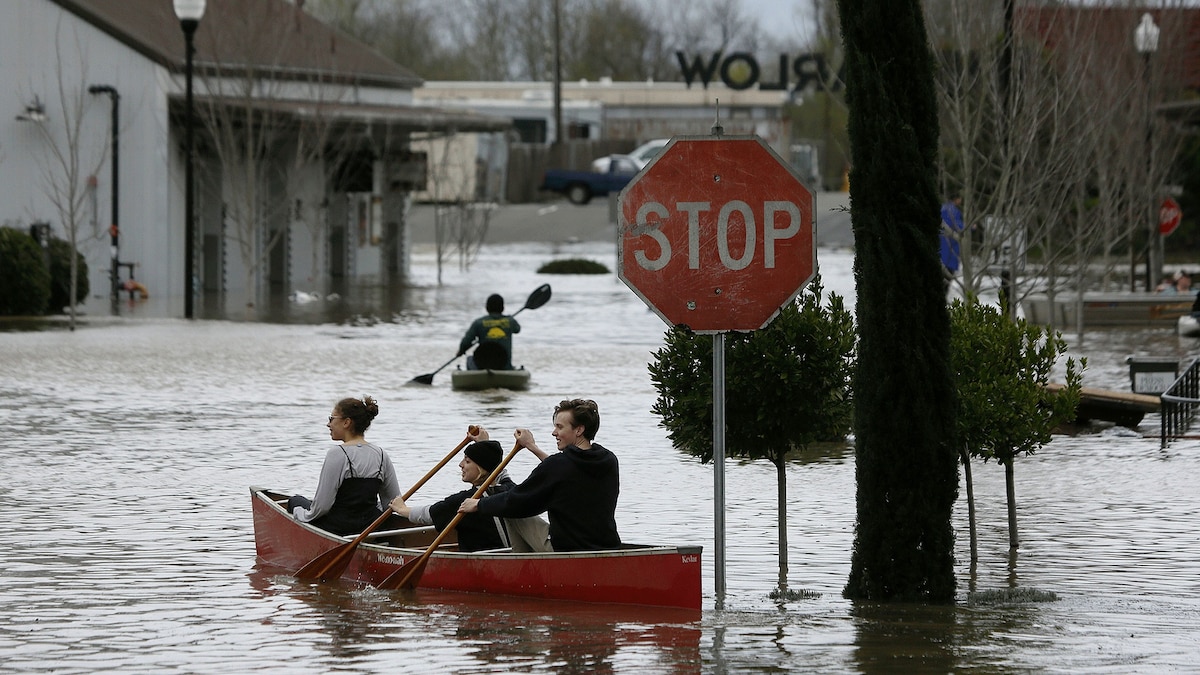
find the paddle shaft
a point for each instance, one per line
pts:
(410, 573)
(332, 563)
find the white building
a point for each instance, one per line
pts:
(636, 111)
(302, 151)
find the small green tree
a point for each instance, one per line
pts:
(60, 276)
(1001, 371)
(786, 386)
(24, 279)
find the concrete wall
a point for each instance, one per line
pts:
(49, 54)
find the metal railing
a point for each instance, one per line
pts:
(1179, 404)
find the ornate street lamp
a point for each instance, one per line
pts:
(1145, 39)
(189, 12)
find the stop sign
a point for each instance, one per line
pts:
(716, 234)
(1169, 215)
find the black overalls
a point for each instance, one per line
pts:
(357, 503)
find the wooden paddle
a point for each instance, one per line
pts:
(331, 563)
(410, 572)
(539, 297)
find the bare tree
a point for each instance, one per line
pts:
(706, 26)
(1037, 141)
(71, 158)
(266, 132)
(460, 217)
(617, 40)
(422, 35)
(511, 40)
(321, 146)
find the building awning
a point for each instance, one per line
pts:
(346, 115)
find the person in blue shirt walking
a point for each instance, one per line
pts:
(951, 233)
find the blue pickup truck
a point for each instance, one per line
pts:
(581, 186)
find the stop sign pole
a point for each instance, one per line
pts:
(717, 234)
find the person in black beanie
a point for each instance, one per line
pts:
(576, 487)
(476, 532)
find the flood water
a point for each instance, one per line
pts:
(133, 442)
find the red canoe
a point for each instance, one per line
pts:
(663, 576)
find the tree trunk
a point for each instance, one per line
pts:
(906, 460)
(966, 462)
(73, 289)
(1011, 493)
(781, 476)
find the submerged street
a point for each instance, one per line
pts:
(130, 546)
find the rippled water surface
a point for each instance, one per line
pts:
(133, 442)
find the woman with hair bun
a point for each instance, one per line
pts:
(357, 478)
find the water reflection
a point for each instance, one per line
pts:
(463, 632)
(901, 637)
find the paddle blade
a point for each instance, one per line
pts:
(328, 565)
(407, 576)
(539, 297)
(422, 379)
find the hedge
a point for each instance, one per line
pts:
(24, 279)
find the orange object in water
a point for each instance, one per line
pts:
(133, 285)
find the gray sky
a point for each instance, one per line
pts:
(783, 18)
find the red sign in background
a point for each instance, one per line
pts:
(1169, 216)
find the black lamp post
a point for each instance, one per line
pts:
(113, 227)
(1145, 39)
(189, 13)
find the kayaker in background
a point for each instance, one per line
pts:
(475, 532)
(492, 331)
(356, 479)
(576, 487)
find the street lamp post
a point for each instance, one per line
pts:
(1145, 39)
(189, 12)
(114, 231)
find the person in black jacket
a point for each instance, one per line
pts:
(475, 532)
(576, 487)
(491, 331)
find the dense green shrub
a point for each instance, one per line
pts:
(24, 279)
(60, 276)
(787, 387)
(573, 266)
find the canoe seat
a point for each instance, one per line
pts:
(407, 530)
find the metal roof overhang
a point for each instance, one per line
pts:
(347, 116)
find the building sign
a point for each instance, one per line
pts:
(740, 70)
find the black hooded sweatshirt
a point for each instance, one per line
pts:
(577, 489)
